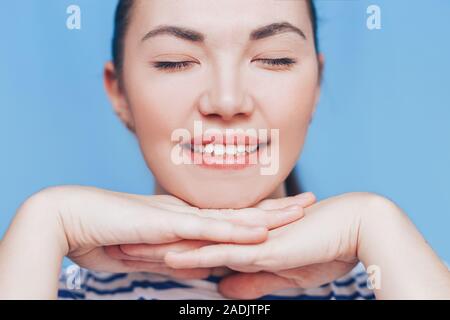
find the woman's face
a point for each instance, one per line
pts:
(235, 73)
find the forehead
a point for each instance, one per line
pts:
(219, 18)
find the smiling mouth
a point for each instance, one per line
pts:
(237, 153)
(217, 150)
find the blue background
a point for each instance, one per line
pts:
(382, 124)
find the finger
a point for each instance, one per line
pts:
(270, 218)
(161, 200)
(133, 221)
(202, 228)
(161, 268)
(156, 252)
(137, 265)
(169, 199)
(214, 256)
(303, 199)
(253, 285)
(256, 285)
(298, 244)
(115, 252)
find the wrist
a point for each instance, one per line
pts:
(32, 250)
(380, 221)
(41, 213)
(402, 265)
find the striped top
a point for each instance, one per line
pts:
(79, 283)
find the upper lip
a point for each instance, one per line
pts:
(236, 139)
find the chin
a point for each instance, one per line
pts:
(224, 198)
(210, 189)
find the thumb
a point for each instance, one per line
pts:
(253, 285)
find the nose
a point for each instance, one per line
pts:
(226, 97)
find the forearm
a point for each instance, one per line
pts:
(31, 252)
(409, 268)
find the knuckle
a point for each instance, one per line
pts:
(112, 252)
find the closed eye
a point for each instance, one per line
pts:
(284, 62)
(172, 65)
(181, 65)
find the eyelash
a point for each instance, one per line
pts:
(172, 66)
(179, 65)
(285, 62)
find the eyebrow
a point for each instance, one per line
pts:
(197, 37)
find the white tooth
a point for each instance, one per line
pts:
(241, 148)
(230, 149)
(219, 149)
(209, 148)
(198, 148)
(251, 148)
(186, 146)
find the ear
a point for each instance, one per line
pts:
(117, 96)
(321, 65)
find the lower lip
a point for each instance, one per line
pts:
(228, 162)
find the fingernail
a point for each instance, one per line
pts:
(305, 195)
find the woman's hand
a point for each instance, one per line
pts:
(80, 221)
(306, 253)
(118, 218)
(326, 244)
(148, 257)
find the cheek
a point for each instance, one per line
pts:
(159, 106)
(289, 105)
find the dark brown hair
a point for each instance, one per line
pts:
(122, 18)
